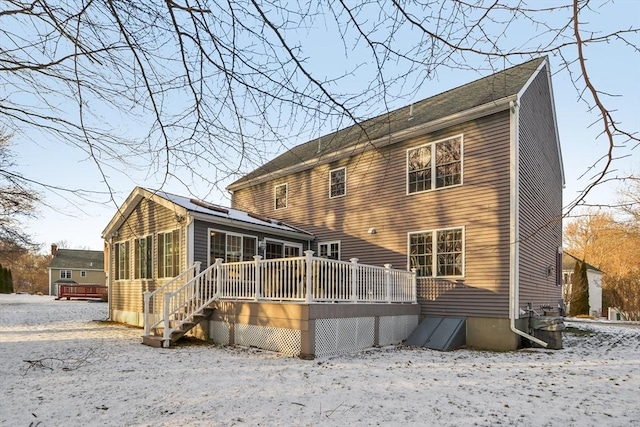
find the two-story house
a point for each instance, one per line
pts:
(465, 187)
(75, 266)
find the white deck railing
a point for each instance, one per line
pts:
(303, 279)
(312, 279)
(154, 300)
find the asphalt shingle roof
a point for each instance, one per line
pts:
(480, 92)
(78, 259)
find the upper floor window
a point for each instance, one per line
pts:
(280, 196)
(231, 247)
(434, 165)
(143, 256)
(83, 273)
(437, 253)
(338, 182)
(329, 250)
(122, 260)
(65, 274)
(169, 254)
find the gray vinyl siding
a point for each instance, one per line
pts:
(540, 201)
(201, 238)
(147, 218)
(376, 197)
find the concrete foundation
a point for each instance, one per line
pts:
(493, 333)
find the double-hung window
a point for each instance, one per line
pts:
(281, 196)
(169, 254)
(329, 250)
(337, 182)
(231, 247)
(437, 253)
(434, 165)
(143, 255)
(122, 260)
(65, 274)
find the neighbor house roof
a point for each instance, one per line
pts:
(77, 259)
(498, 88)
(569, 263)
(202, 210)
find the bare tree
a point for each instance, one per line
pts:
(202, 90)
(17, 200)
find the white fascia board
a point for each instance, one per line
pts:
(253, 227)
(525, 87)
(432, 126)
(130, 204)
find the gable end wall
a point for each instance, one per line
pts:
(147, 218)
(540, 199)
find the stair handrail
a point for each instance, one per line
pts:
(190, 299)
(149, 296)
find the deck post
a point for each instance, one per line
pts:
(198, 288)
(166, 333)
(354, 278)
(309, 276)
(258, 275)
(218, 276)
(414, 285)
(147, 314)
(387, 281)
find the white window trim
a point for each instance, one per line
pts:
(434, 261)
(156, 254)
(83, 273)
(275, 188)
(345, 182)
(283, 243)
(227, 234)
(135, 268)
(117, 260)
(328, 244)
(65, 276)
(433, 166)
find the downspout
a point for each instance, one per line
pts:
(190, 243)
(110, 279)
(514, 271)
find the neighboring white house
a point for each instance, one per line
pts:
(594, 277)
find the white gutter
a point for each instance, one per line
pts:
(190, 243)
(514, 271)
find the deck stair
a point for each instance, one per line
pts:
(174, 309)
(178, 328)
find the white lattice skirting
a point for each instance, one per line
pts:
(332, 336)
(219, 332)
(341, 336)
(287, 341)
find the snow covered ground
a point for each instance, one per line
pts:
(62, 365)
